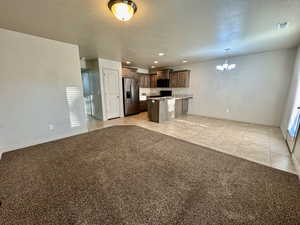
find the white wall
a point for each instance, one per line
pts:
(254, 92)
(40, 85)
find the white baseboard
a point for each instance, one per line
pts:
(297, 165)
(39, 141)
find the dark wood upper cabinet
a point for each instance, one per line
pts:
(174, 79)
(129, 72)
(153, 80)
(180, 79)
(164, 74)
(144, 80)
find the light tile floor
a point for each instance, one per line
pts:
(261, 144)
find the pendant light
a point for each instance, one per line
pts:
(122, 9)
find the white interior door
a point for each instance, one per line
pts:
(112, 93)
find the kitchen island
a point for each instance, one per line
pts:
(162, 109)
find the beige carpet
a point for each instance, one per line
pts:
(133, 176)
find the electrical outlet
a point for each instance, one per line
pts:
(51, 127)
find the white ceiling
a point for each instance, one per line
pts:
(183, 29)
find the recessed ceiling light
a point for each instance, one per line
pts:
(282, 25)
(161, 54)
(128, 62)
(122, 9)
(152, 67)
(155, 62)
(184, 61)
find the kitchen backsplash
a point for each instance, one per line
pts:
(156, 91)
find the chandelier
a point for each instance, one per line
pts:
(226, 66)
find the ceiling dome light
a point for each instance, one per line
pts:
(122, 9)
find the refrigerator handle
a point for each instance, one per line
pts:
(131, 91)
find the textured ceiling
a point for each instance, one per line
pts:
(182, 29)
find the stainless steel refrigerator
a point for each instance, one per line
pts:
(131, 96)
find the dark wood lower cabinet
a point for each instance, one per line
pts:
(143, 106)
(153, 110)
